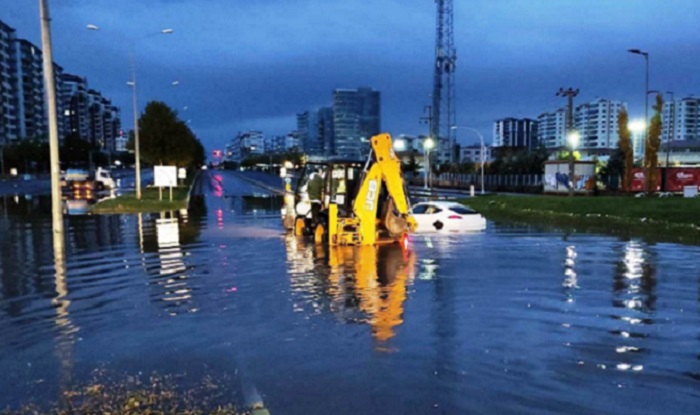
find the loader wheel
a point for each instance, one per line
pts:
(319, 234)
(299, 226)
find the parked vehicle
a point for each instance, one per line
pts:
(447, 216)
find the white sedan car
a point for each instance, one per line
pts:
(447, 216)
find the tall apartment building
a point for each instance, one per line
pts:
(683, 117)
(551, 128)
(8, 105)
(595, 121)
(30, 90)
(356, 118)
(513, 132)
(75, 101)
(23, 108)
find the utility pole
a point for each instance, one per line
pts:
(426, 156)
(50, 87)
(570, 94)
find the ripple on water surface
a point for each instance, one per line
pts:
(511, 320)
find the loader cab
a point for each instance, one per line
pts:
(340, 183)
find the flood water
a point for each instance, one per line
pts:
(512, 320)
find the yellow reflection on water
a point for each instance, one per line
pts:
(368, 280)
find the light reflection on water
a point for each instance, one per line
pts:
(362, 284)
(514, 320)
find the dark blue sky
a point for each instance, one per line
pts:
(253, 64)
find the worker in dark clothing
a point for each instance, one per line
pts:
(315, 189)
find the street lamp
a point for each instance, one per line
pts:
(132, 84)
(482, 152)
(646, 94)
(637, 127)
(428, 144)
(400, 145)
(573, 139)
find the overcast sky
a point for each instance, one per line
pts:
(253, 64)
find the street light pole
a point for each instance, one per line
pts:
(482, 152)
(646, 103)
(50, 87)
(428, 144)
(132, 83)
(570, 94)
(137, 146)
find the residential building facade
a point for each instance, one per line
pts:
(23, 107)
(513, 132)
(596, 122)
(681, 120)
(473, 154)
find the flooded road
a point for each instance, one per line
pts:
(512, 320)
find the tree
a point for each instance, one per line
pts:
(625, 146)
(651, 150)
(166, 140)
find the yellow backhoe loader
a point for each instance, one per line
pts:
(345, 202)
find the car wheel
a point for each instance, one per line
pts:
(438, 225)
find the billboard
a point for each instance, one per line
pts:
(556, 177)
(165, 176)
(678, 178)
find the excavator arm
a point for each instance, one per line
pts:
(383, 167)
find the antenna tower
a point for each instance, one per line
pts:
(443, 117)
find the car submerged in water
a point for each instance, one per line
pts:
(444, 216)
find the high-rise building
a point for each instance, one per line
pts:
(30, 87)
(595, 121)
(513, 132)
(9, 129)
(315, 131)
(551, 128)
(23, 107)
(307, 127)
(75, 101)
(683, 116)
(356, 118)
(325, 130)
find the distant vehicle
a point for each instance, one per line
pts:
(447, 216)
(81, 179)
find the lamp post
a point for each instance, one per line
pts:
(569, 94)
(573, 139)
(482, 152)
(428, 144)
(646, 99)
(50, 88)
(132, 83)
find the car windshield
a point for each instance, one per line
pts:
(462, 210)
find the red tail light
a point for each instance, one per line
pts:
(404, 241)
(454, 217)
